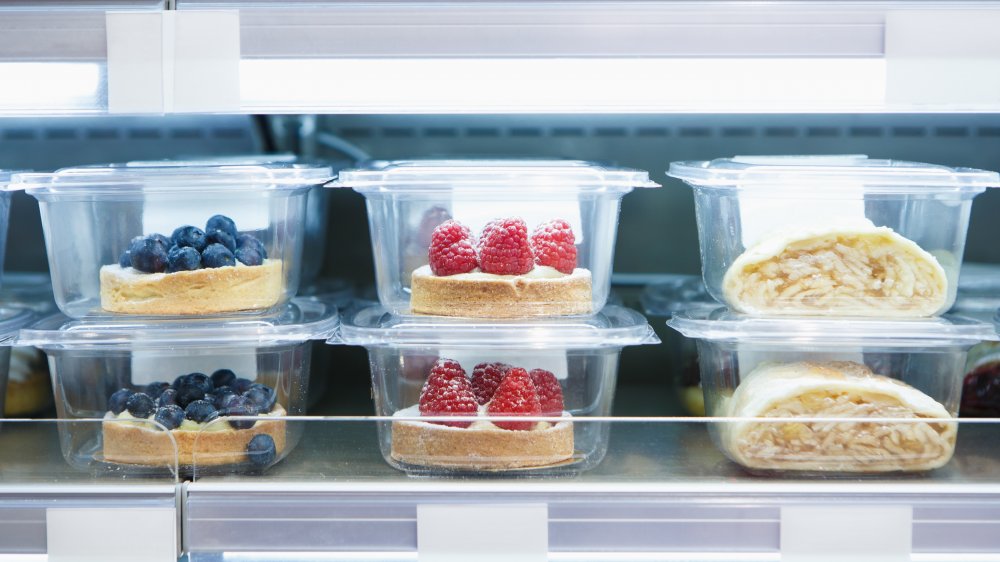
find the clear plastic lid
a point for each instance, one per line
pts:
(339, 292)
(510, 175)
(28, 290)
(12, 319)
(847, 171)
(195, 176)
(614, 326)
(721, 324)
(673, 293)
(298, 321)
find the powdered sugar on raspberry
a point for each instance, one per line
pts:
(516, 396)
(554, 245)
(451, 250)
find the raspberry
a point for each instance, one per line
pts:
(504, 248)
(451, 249)
(448, 393)
(486, 378)
(550, 395)
(515, 397)
(555, 245)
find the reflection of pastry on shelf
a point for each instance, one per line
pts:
(495, 389)
(193, 272)
(505, 273)
(197, 414)
(29, 389)
(841, 389)
(854, 269)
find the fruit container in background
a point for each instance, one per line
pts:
(660, 300)
(563, 370)
(829, 372)
(209, 395)
(979, 297)
(173, 240)
(526, 237)
(12, 319)
(29, 389)
(832, 235)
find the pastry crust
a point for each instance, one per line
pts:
(500, 297)
(838, 389)
(202, 291)
(480, 448)
(147, 444)
(848, 270)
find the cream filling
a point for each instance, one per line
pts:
(414, 412)
(188, 425)
(131, 272)
(539, 272)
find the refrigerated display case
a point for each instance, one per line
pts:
(631, 84)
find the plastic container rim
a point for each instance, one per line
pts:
(719, 324)
(375, 326)
(847, 172)
(114, 179)
(298, 321)
(411, 176)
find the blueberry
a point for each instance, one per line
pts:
(192, 387)
(223, 377)
(262, 396)
(140, 405)
(148, 255)
(217, 255)
(200, 411)
(183, 259)
(162, 239)
(199, 379)
(220, 396)
(117, 401)
(167, 398)
(227, 400)
(242, 385)
(261, 450)
(248, 256)
(250, 241)
(170, 416)
(223, 223)
(221, 237)
(125, 260)
(155, 389)
(189, 236)
(240, 406)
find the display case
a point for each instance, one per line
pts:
(629, 85)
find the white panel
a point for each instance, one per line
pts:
(485, 533)
(206, 74)
(835, 533)
(111, 534)
(946, 58)
(135, 62)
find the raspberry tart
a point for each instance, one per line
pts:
(194, 272)
(495, 389)
(189, 409)
(505, 273)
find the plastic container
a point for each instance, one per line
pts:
(5, 196)
(660, 300)
(92, 360)
(317, 202)
(802, 373)
(580, 353)
(832, 235)
(29, 388)
(979, 297)
(91, 214)
(407, 200)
